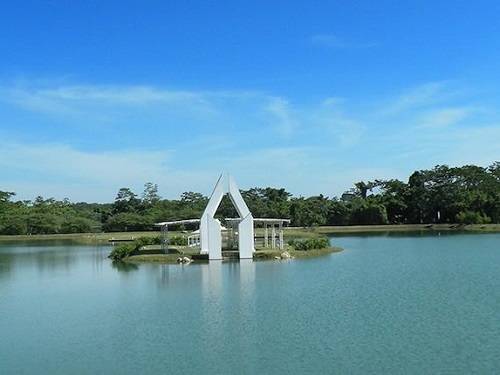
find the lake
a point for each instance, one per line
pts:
(399, 303)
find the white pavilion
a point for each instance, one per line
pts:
(210, 235)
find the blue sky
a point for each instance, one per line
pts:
(310, 96)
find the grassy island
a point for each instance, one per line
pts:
(259, 255)
(150, 249)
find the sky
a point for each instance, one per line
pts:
(309, 96)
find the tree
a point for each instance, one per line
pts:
(394, 196)
(126, 201)
(362, 188)
(366, 212)
(5, 196)
(309, 212)
(338, 213)
(150, 194)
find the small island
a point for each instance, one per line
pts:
(302, 243)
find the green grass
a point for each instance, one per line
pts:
(259, 255)
(153, 258)
(271, 254)
(88, 237)
(290, 232)
(314, 231)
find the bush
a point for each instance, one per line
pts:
(144, 241)
(78, 225)
(178, 241)
(122, 251)
(368, 213)
(472, 217)
(309, 243)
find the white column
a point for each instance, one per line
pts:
(245, 238)
(273, 236)
(266, 234)
(282, 246)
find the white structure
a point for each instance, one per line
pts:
(194, 237)
(210, 228)
(273, 231)
(276, 225)
(164, 230)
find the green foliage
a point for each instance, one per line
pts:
(306, 244)
(125, 250)
(467, 194)
(144, 241)
(122, 251)
(366, 212)
(150, 195)
(312, 211)
(126, 201)
(128, 222)
(178, 241)
(471, 217)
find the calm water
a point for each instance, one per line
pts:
(410, 304)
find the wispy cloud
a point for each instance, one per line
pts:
(94, 175)
(183, 139)
(285, 122)
(425, 95)
(64, 100)
(444, 117)
(186, 113)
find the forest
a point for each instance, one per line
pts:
(468, 195)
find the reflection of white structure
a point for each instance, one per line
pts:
(210, 228)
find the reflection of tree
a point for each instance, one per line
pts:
(124, 266)
(46, 258)
(6, 261)
(164, 275)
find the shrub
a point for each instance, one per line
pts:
(144, 241)
(472, 217)
(178, 241)
(309, 243)
(368, 213)
(122, 251)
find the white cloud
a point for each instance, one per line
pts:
(182, 140)
(84, 99)
(420, 96)
(284, 121)
(445, 117)
(63, 171)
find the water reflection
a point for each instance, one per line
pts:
(247, 277)
(124, 266)
(211, 278)
(46, 258)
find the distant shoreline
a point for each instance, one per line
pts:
(399, 228)
(290, 231)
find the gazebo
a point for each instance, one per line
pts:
(240, 230)
(273, 231)
(164, 229)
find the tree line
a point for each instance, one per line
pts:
(468, 194)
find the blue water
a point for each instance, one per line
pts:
(399, 304)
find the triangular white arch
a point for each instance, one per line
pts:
(210, 228)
